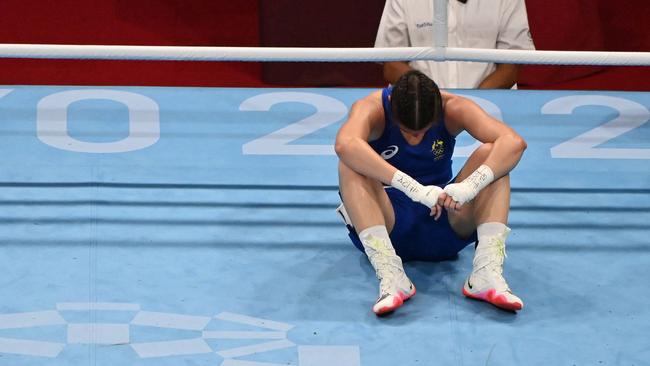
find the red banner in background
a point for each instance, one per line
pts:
(128, 22)
(588, 25)
(555, 25)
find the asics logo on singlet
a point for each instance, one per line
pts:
(390, 152)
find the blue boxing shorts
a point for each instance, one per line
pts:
(416, 235)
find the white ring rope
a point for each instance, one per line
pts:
(280, 54)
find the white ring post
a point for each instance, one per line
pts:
(440, 29)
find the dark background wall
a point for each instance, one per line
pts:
(555, 25)
(320, 24)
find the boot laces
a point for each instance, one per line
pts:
(388, 266)
(489, 261)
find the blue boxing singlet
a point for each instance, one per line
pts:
(429, 162)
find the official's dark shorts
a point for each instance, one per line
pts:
(416, 235)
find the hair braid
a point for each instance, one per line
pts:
(416, 101)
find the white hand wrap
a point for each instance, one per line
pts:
(466, 190)
(426, 195)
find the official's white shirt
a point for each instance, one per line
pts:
(490, 24)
